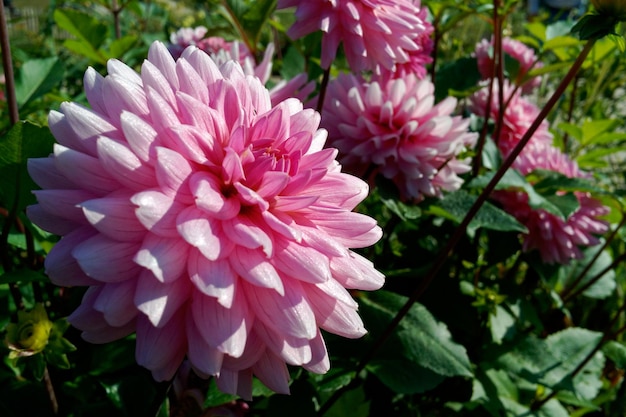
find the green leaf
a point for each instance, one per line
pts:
(593, 26)
(512, 179)
(602, 288)
(120, 46)
(458, 75)
(215, 397)
(36, 77)
(502, 323)
(455, 206)
(616, 352)
(22, 276)
(89, 32)
(353, 403)
(593, 128)
(336, 378)
(22, 142)
(86, 28)
(424, 340)
(550, 362)
(551, 182)
(255, 18)
(404, 377)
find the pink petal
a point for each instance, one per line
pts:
(213, 278)
(159, 301)
(107, 260)
(203, 233)
(114, 217)
(256, 269)
(115, 302)
(161, 350)
(157, 212)
(166, 258)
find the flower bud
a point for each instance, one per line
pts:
(611, 8)
(31, 332)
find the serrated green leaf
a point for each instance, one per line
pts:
(550, 182)
(550, 362)
(36, 77)
(424, 340)
(455, 206)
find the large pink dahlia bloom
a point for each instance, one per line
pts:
(373, 32)
(210, 223)
(393, 128)
(524, 55)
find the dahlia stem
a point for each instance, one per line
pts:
(566, 291)
(323, 88)
(240, 29)
(7, 65)
(460, 231)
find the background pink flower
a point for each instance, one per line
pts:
(210, 223)
(395, 129)
(418, 58)
(557, 240)
(516, 50)
(517, 117)
(373, 32)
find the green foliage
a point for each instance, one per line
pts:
(495, 332)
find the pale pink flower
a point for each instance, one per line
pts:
(373, 32)
(556, 239)
(210, 223)
(394, 128)
(516, 50)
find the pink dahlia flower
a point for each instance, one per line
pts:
(185, 37)
(373, 32)
(417, 59)
(395, 129)
(518, 115)
(556, 239)
(516, 50)
(210, 223)
(222, 50)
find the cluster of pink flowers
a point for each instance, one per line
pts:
(373, 32)
(211, 223)
(515, 49)
(393, 127)
(558, 240)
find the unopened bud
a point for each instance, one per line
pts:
(31, 332)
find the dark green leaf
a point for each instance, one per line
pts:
(22, 276)
(458, 75)
(37, 77)
(22, 142)
(455, 206)
(424, 340)
(404, 377)
(86, 28)
(352, 403)
(215, 397)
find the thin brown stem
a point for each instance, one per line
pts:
(460, 231)
(7, 65)
(595, 278)
(581, 275)
(323, 88)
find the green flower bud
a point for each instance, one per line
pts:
(31, 332)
